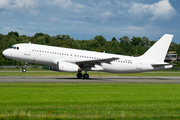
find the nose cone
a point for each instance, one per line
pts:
(5, 53)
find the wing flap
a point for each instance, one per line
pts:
(92, 63)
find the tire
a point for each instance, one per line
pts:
(24, 70)
(86, 76)
(79, 75)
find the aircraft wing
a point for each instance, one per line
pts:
(92, 63)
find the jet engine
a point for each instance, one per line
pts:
(66, 67)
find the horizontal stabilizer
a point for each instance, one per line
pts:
(165, 65)
(160, 64)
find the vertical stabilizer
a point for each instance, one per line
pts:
(159, 50)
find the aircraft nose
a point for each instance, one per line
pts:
(5, 53)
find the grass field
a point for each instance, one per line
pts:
(92, 74)
(44, 101)
(56, 101)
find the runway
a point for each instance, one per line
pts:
(25, 79)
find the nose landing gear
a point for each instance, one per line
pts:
(25, 66)
(24, 70)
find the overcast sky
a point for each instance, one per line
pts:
(84, 19)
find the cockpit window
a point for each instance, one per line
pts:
(14, 47)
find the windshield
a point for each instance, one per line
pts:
(14, 47)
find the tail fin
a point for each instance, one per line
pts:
(159, 50)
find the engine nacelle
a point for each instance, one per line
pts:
(65, 67)
(68, 67)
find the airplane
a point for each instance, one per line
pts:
(72, 60)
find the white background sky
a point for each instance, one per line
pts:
(84, 19)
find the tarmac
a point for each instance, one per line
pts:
(25, 79)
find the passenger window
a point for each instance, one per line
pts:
(17, 48)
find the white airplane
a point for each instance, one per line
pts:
(72, 60)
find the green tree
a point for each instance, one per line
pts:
(13, 33)
(100, 39)
(136, 41)
(145, 43)
(114, 39)
(125, 40)
(11, 42)
(22, 39)
(47, 39)
(41, 40)
(38, 34)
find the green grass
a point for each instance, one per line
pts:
(92, 74)
(44, 101)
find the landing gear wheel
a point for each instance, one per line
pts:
(24, 70)
(86, 76)
(79, 75)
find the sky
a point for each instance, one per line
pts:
(84, 19)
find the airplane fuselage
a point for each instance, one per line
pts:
(48, 55)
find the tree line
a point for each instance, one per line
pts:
(124, 45)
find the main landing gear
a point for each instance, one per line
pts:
(85, 76)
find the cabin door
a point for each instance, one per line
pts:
(27, 50)
(139, 64)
